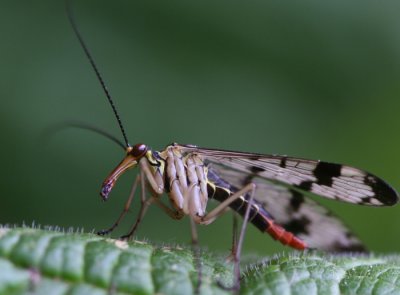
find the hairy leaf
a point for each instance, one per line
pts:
(34, 261)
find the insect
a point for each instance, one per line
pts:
(269, 191)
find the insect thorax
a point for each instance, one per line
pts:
(185, 180)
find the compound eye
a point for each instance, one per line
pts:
(138, 150)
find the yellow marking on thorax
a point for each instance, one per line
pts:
(156, 164)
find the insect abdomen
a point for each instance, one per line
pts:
(258, 216)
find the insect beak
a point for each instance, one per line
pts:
(128, 162)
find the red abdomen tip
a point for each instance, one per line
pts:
(286, 238)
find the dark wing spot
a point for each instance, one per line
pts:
(383, 191)
(298, 225)
(296, 201)
(324, 172)
(354, 247)
(282, 164)
(256, 169)
(306, 185)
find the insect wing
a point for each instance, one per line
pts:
(303, 217)
(333, 181)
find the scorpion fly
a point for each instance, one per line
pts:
(269, 191)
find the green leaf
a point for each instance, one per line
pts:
(51, 262)
(34, 261)
(319, 273)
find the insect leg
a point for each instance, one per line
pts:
(124, 211)
(218, 211)
(238, 250)
(174, 214)
(156, 184)
(223, 206)
(156, 189)
(234, 237)
(196, 254)
(143, 207)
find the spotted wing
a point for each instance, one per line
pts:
(303, 217)
(333, 181)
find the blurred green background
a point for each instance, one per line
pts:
(314, 79)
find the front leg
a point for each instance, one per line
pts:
(155, 179)
(124, 211)
(156, 185)
(144, 205)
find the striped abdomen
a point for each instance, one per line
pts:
(258, 216)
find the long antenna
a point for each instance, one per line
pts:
(96, 70)
(79, 125)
